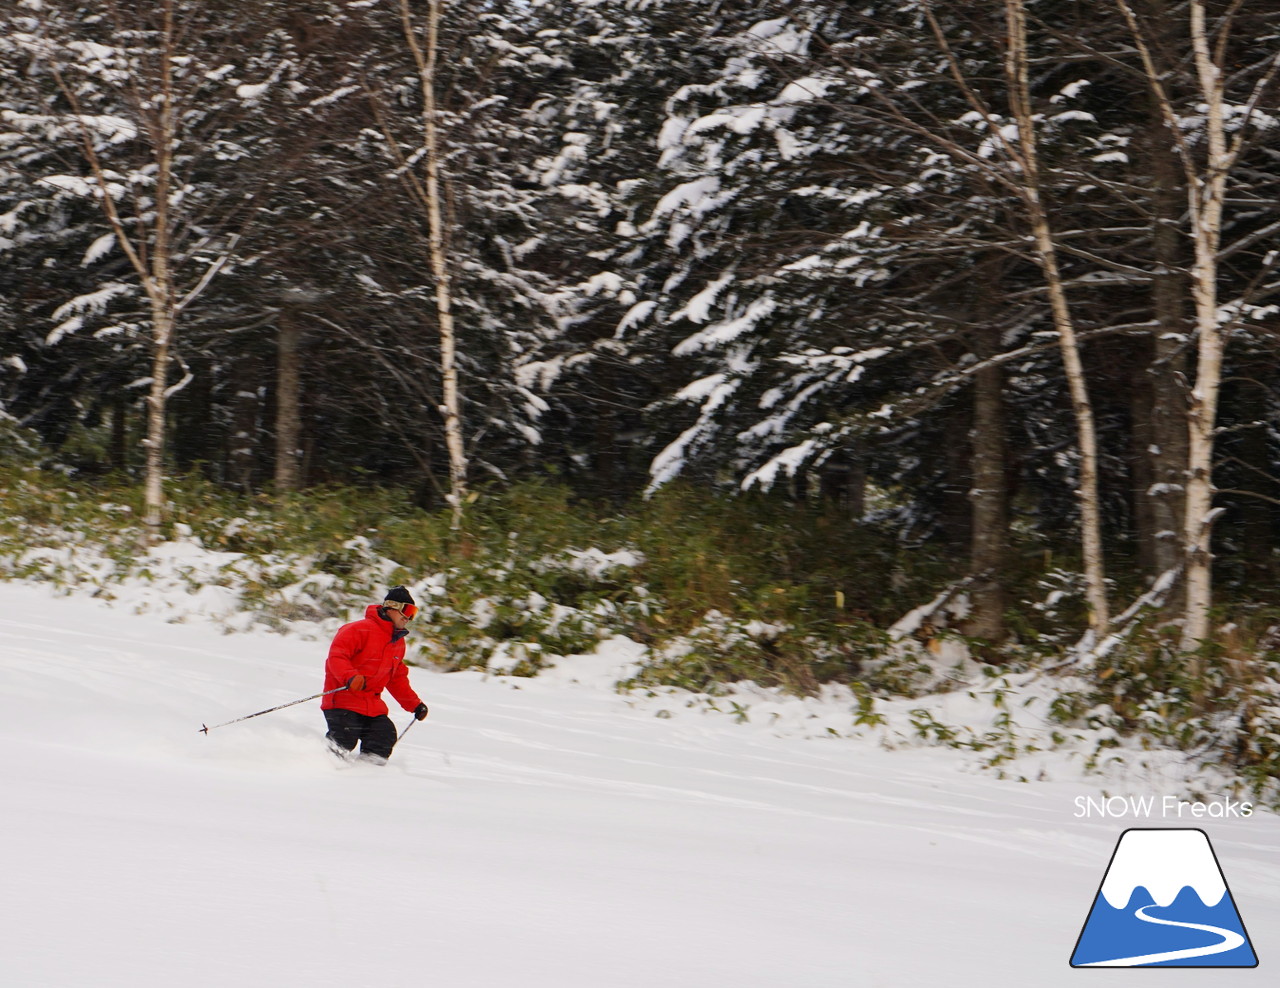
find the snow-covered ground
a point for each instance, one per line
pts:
(531, 833)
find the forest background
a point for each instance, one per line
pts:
(802, 316)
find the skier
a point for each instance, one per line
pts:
(367, 656)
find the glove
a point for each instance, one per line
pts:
(355, 684)
(420, 711)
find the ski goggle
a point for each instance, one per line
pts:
(410, 611)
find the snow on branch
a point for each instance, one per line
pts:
(713, 392)
(698, 308)
(727, 330)
(634, 316)
(82, 187)
(93, 303)
(698, 197)
(99, 249)
(789, 460)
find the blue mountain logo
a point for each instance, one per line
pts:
(1164, 902)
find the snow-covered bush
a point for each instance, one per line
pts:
(1220, 704)
(722, 649)
(515, 614)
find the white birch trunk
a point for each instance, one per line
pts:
(157, 399)
(1206, 202)
(1046, 252)
(433, 196)
(1206, 193)
(444, 298)
(158, 282)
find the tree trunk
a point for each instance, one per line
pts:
(1142, 457)
(858, 484)
(989, 497)
(1168, 426)
(444, 296)
(450, 406)
(245, 413)
(1206, 184)
(120, 434)
(1199, 520)
(843, 482)
(1046, 253)
(288, 404)
(153, 484)
(1206, 202)
(956, 511)
(1257, 514)
(1168, 453)
(160, 291)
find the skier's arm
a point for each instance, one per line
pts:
(345, 645)
(398, 686)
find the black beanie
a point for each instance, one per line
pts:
(400, 595)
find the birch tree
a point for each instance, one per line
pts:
(429, 191)
(1025, 158)
(1208, 164)
(454, 283)
(152, 100)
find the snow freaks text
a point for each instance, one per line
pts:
(1167, 807)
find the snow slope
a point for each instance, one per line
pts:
(529, 833)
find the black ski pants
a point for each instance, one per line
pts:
(376, 735)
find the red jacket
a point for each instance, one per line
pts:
(368, 648)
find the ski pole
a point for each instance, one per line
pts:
(292, 703)
(416, 718)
